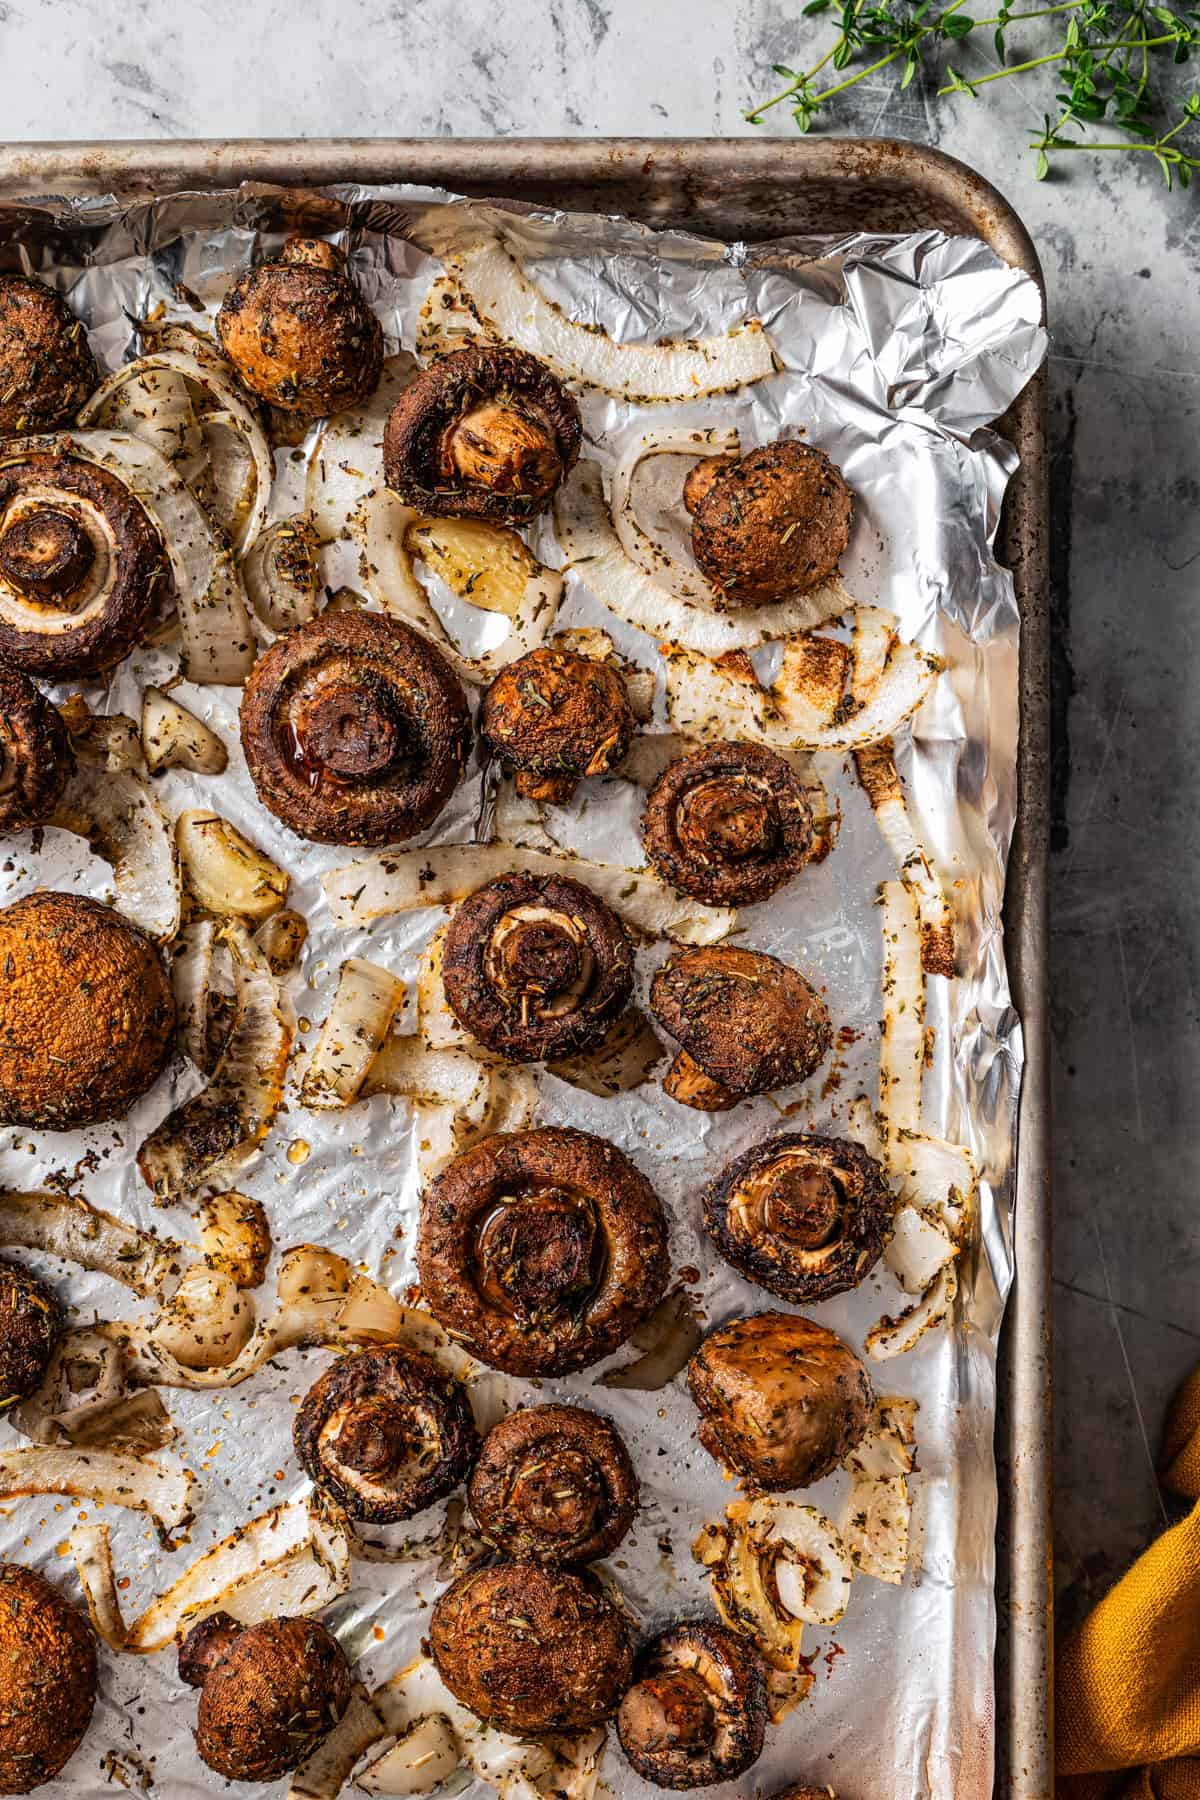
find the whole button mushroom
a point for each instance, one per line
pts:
(47, 1679)
(30, 1326)
(299, 332)
(782, 1400)
(556, 717)
(47, 370)
(530, 1649)
(746, 1023)
(554, 1484)
(728, 824)
(696, 1711)
(35, 752)
(269, 1693)
(769, 524)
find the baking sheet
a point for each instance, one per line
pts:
(897, 353)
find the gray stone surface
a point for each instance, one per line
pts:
(1121, 263)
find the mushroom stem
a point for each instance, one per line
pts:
(46, 554)
(686, 1082)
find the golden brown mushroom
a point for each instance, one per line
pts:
(768, 524)
(35, 753)
(386, 1433)
(82, 569)
(782, 1401)
(47, 370)
(530, 1649)
(747, 1024)
(47, 1679)
(485, 433)
(355, 729)
(541, 1250)
(30, 1326)
(556, 717)
(299, 332)
(728, 824)
(554, 1484)
(536, 967)
(800, 1790)
(86, 1012)
(269, 1693)
(804, 1217)
(696, 1712)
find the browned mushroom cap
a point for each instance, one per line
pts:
(356, 730)
(30, 1327)
(86, 1012)
(768, 524)
(485, 433)
(47, 1679)
(387, 1433)
(269, 1693)
(35, 753)
(46, 368)
(782, 1401)
(530, 1649)
(555, 717)
(804, 1217)
(729, 824)
(697, 1710)
(554, 1484)
(541, 1250)
(82, 569)
(748, 1024)
(800, 1790)
(536, 966)
(299, 332)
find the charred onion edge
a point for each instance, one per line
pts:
(876, 769)
(164, 1490)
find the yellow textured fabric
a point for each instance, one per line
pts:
(1127, 1684)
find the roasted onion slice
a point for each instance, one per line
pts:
(35, 754)
(355, 729)
(696, 1712)
(804, 1217)
(536, 967)
(386, 1433)
(729, 824)
(541, 1250)
(82, 567)
(554, 1484)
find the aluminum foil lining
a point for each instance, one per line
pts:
(899, 353)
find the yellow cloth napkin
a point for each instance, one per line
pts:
(1127, 1683)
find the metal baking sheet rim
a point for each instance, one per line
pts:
(742, 187)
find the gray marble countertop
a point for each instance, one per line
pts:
(1121, 259)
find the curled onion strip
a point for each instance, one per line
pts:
(939, 1176)
(124, 825)
(155, 405)
(75, 1231)
(896, 1336)
(357, 1025)
(191, 979)
(878, 1507)
(625, 1059)
(876, 768)
(596, 557)
(638, 545)
(164, 1491)
(503, 294)
(225, 873)
(668, 1340)
(439, 875)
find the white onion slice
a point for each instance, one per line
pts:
(940, 1177)
(74, 1230)
(410, 1069)
(889, 1446)
(811, 1569)
(191, 979)
(166, 1491)
(896, 1336)
(503, 294)
(902, 1032)
(358, 1022)
(424, 1756)
(919, 1248)
(125, 826)
(449, 322)
(440, 874)
(667, 1339)
(174, 738)
(666, 440)
(595, 556)
(206, 1323)
(225, 873)
(438, 1027)
(417, 1692)
(281, 938)
(625, 1059)
(878, 1507)
(864, 1128)
(876, 768)
(155, 405)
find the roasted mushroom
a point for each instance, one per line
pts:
(486, 433)
(696, 1712)
(82, 568)
(541, 1250)
(299, 333)
(30, 1327)
(47, 370)
(47, 1679)
(386, 1433)
(35, 753)
(536, 967)
(531, 1650)
(555, 717)
(747, 1024)
(782, 1401)
(804, 1217)
(768, 524)
(728, 824)
(554, 1484)
(86, 1012)
(355, 729)
(269, 1693)
(800, 1790)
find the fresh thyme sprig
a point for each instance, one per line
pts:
(1105, 57)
